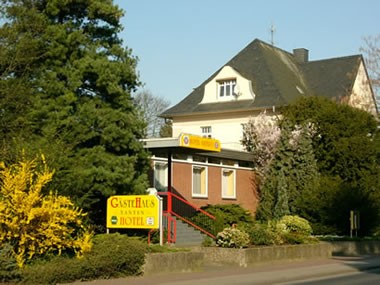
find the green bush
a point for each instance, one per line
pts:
(296, 224)
(58, 269)
(232, 238)
(9, 270)
(112, 255)
(116, 254)
(208, 242)
(226, 216)
(261, 234)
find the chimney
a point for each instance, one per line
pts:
(301, 55)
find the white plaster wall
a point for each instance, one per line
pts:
(225, 127)
(244, 87)
(362, 96)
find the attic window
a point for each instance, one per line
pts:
(226, 87)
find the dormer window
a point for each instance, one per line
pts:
(226, 87)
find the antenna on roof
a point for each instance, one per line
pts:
(272, 31)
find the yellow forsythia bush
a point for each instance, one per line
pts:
(35, 224)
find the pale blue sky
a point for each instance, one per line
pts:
(180, 43)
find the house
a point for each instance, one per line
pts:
(263, 77)
(259, 78)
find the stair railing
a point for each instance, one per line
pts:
(170, 232)
(196, 217)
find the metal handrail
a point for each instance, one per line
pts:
(182, 216)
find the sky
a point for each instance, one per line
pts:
(180, 43)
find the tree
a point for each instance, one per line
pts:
(344, 140)
(371, 52)
(292, 174)
(304, 175)
(166, 130)
(80, 112)
(260, 137)
(34, 224)
(345, 146)
(151, 107)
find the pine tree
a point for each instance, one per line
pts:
(79, 80)
(304, 174)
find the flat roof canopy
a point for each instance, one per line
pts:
(194, 145)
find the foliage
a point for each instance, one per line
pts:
(261, 234)
(291, 176)
(112, 255)
(296, 224)
(9, 270)
(35, 224)
(208, 241)
(232, 238)
(151, 107)
(287, 230)
(166, 130)
(65, 86)
(345, 145)
(117, 254)
(260, 136)
(226, 216)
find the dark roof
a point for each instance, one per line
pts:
(277, 80)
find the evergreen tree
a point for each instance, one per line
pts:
(345, 147)
(293, 175)
(79, 110)
(274, 194)
(303, 175)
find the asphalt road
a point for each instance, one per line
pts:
(362, 270)
(357, 278)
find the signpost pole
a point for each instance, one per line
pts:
(161, 220)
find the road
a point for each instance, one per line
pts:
(362, 270)
(355, 278)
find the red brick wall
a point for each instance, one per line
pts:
(246, 194)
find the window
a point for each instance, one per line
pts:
(199, 181)
(226, 88)
(228, 184)
(206, 132)
(161, 176)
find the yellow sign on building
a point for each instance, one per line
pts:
(133, 212)
(197, 142)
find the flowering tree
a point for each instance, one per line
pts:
(34, 224)
(260, 136)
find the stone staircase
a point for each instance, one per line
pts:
(187, 235)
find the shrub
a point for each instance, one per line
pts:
(112, 255)
(296, 224)
(226, 216)
(208, 241)
(58, 269)
(9, 270)
(261, 234)
(116, 254)
(232, 238)
(35, 224)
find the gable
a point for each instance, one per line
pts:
(242, 89)
(362, 96)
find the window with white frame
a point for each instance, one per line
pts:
(228, 184)
(226, 88)
(199, 181)
(206, 131)
(161, 176)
